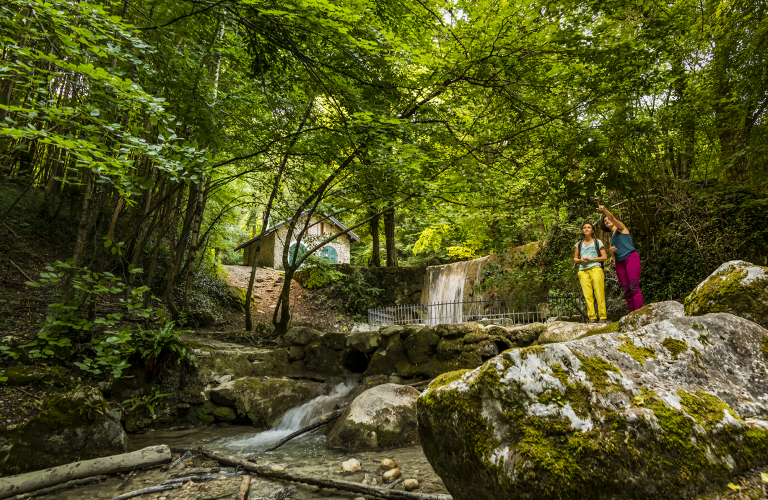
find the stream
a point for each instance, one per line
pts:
(306, 454)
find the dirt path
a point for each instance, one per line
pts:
(307, 307)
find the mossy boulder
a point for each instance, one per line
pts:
(319, 358)
(78, 425)
(563, 331)
(301, 335)
(659, 412)
(736, 287)
(224, 414)
(32, 375)
(264, 402)
(651, 313)
(380, 418)
(365, 342)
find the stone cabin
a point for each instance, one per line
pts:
(267, 250)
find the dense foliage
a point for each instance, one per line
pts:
(166, 133)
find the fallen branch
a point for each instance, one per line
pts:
(11, 230)
(242, 492)
(24, 483)
(145, 491)
(298, 477)
(299, 432)
(60, 487)
(419, 384)
(22, 272)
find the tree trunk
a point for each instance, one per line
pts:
(375, 252)
(389, 235)
(23, 483)
(196, 223)
(82, 229)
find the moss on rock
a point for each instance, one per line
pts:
(736, 287)
(582, 420)
(77, 425)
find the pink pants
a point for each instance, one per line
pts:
(628, 271)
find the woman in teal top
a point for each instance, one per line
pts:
(589, 255)
(627, 259)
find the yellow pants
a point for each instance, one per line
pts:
(593, 281)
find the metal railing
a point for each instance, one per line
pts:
(510, 311)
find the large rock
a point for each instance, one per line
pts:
(563, 331)
(736, 287)
(364, 341)
(78, 425)
(655, 413)
(651, 313)
(265, 402)
(301, 335)
(319, 358)
(380, 418)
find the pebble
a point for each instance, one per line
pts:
(278, 468)
(388, 464)
(391, 475)
(350, 465)
(369, 480)
(411, 484)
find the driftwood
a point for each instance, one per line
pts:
(299, 432)
(151, 489)
(179, 462)
(420, 384)
(24, 483)
(298, 477)
(60, 487)
(242, 492)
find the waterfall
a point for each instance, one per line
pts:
(446, 288)
(295, 418)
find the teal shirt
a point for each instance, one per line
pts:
(588, 251)
(623, 244)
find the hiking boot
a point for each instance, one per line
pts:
(593, 321)
(604, 321)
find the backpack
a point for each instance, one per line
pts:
(598, 246)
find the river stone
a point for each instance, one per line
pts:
(660, 412)
(224, 414)
(264, 402)
(335, 340)
(563, 331)
(78, 425)
(392, 330)
(526, 334)
(736, 287)
(651, 313)
(320, 358)
(380, 418)
(300, 335)
(365, 342)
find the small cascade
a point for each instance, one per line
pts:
(446, 288)
(295, 418)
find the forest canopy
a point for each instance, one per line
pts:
(167, 133)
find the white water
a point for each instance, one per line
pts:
(294, 419)
(445, 287)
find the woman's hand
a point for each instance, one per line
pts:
(612, 249)
(585, 260)
(602, 209)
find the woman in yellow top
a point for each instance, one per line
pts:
(589, 254)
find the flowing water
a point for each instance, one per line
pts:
(306, 454)
(448, 286)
